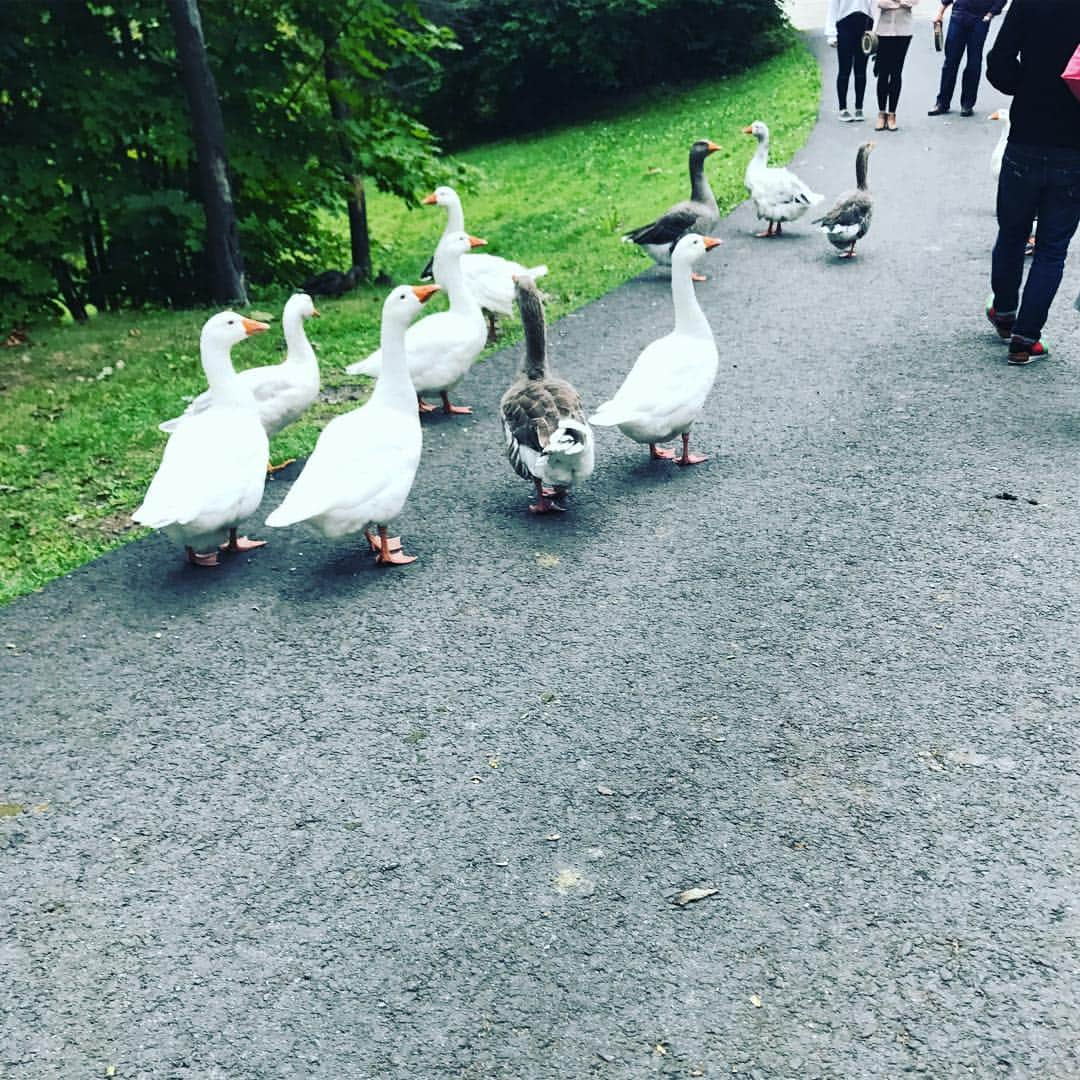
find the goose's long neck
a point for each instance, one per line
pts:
(225, 385)
(394, 386)
(700, 191)
(455, 218)
(861, 162)
(298, 348)
(689, 318)
(760, 159)
(448, 274)
(534, 365)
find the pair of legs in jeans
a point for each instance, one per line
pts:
(1036, 182)
(849, 56)
(889, 67)
(966, 33)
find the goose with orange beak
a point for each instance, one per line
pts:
(364, 464)
(666, 388)
(699, 213)
(778, 194)
(441, 348)
(213, 470)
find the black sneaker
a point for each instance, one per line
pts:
(937, 110)
(1024, 352)
(1003, 324)
(967, 112)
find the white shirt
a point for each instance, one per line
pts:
(839, 9)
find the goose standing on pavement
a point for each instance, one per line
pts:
(698, 214)
(778, 194)
(666, 388)
(490, 277)
(849, 219)
(548, 440)
(442, 347)
(364, 463)
(213, 470)
(283, 392)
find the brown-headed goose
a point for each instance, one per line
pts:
(849, 219)
(548, 440)
(698, 214)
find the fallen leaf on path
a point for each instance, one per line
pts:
(546, 560)
(553, 837)
(10, 809)
(755, 1001)
(601, 790)
(688, 896)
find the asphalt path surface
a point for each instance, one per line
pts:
(303, 817)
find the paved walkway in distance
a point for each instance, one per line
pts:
(302, 818)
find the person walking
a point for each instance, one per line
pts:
(894, 36)
(845, 23)
(1040, 171)
(968, 26)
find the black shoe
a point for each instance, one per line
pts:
(967, 112)
(937, 110)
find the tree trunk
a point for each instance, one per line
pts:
(62, 273)
(356, 204)
(208, 132)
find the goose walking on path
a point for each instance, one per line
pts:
(490, 277)
(442, 347)
(778, 194)
(666, 388)
(698, 214)
(548, 440)
(283, 392)
(213, 470)
(363, 466)
(849, 219)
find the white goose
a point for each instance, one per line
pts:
(213, 470)
(283, 392)
(666, 388)
(442, 347)
(363, 466)
(778, 194)
(490, 277)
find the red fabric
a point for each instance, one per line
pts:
(1071, 74)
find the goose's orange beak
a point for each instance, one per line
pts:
(475, 241)
(429, 200)
(711, 242)
(424, 293)
(748, 131)
(713, 147)
(995, 115)
(253, 327)
(316, 312)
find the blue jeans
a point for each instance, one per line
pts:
(1036, 182)
(967, 33)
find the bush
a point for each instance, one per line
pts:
(522, 66)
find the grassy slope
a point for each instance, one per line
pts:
(78, 450)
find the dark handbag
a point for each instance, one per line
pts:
(939, 37)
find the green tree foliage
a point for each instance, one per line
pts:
(98, 192)
(523, 64)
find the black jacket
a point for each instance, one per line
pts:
(1033, 46)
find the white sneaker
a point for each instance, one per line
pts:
(846, 116)
(859, 115)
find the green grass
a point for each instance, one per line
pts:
(81, 403)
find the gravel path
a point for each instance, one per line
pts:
(305, 818)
